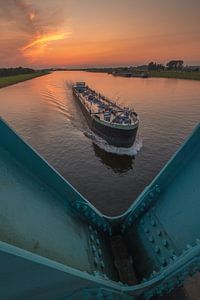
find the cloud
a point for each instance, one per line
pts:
(29, 26)
(46, 38)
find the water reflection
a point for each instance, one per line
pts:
(45, 114)
(118, 163)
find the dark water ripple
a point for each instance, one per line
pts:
(44, 112)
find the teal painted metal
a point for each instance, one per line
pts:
(56, 245)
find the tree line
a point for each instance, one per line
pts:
(15, 71)
(172, 65)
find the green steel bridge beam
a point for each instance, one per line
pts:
(159, 233)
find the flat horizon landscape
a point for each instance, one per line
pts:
(99, 149)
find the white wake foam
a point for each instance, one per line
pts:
(132, 151)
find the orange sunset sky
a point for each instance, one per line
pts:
(81, 33)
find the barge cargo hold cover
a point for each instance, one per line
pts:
(117, 125)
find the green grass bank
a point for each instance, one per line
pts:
(9, 80)
(163, 74)
(178, 75)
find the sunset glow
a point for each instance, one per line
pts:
(48, 38)
(39, 44)
(63, 33)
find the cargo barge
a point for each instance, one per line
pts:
(117, 125)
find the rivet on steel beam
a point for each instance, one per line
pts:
(157, 249)
(171, 252)
(94, 249)
(123, 226)
(165, 243)
(129, 221)
(179, 284)
(154, 273)
(157, 188)
(77, 205)
(86, 213)
(84, 207)
(92, 237)
(170, 289)
(174, 257)
(92, 214)
(102, 265)
(104, 225)
(99, 252)
(189, 247)
(158, 232)
(151, 195)
(95, 261)
(109, 231)
(96, 222)
(151, 239)
(163, 261)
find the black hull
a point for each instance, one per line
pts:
(114, 136)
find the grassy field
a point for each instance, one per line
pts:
(163, 74)
(178, 75)
(5, 81)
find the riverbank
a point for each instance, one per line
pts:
(135, 72)
(177, 75)
(9, 80)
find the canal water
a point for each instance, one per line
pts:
(44, 112)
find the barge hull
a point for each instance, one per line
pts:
(114, 136)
